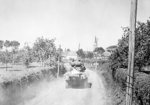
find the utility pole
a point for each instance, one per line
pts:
(96, 54)
(95, 42)
(79, 46)
(96, 61)
(130, 76)
(59, 52)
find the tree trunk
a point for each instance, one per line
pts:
(6, 57)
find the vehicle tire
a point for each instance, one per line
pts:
(89, 85)
(67, 85)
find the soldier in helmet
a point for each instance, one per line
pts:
(78, 65)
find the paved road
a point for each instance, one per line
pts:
(55, 93)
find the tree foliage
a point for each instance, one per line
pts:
(27, 55)
(81, 53)
(59, 52)
(44, 48)
(119, 62)
(99, 50)
(89, 55)
(68, 50)
(119, 59)
(1, 44)
(14, 44)
(7, 43)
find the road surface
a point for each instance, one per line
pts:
(55, 93)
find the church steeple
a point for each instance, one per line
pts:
(79, 46)
(95, 42)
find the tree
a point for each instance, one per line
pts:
(60, 49)
(14, 45)
(58, 53)
(1, 53)
(44, 49)
(89, 55)
(68, 50)
(81, 53)
(27, 56)
(119, 59)
(7, 44)
(1, 44)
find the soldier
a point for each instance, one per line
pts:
(78, 65)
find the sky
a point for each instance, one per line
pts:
(69, 21)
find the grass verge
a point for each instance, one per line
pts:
(114, 91)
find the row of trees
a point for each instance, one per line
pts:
(90, 54)
(5, 56)
(13, 44)
(43, 50)
(82, 54)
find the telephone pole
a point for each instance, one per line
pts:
(96, 54)
(79, 46)
(59, 54)
(130, 76)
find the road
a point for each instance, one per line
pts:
(55, 93)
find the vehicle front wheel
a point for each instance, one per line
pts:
(67, 85)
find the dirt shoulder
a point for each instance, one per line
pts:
(108, 93)
(114, 93)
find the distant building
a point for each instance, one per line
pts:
(111, 49)
(103, 56)
(106, 55)
(95, 43)
(69, 55)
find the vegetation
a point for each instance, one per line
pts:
(17, 83)
(27, 61)
(119, 62)
(42, 50)
(111, 48)
(99, 50)
(89, 55)
(1, 44)
(81, 53)
(142, 48)
(114, 90)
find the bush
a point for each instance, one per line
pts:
(120, 78)
(142, 88)
(119, 59)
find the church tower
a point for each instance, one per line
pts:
(95, 42)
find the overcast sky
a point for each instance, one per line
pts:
(69, 21)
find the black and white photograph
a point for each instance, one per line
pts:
(74, 52)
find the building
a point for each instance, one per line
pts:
(69, 55)
(111, 49)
